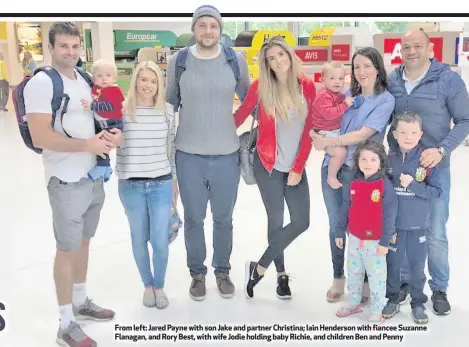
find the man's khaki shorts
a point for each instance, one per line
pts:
(75, 210)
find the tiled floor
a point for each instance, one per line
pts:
(27, 251)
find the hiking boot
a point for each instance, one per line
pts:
(73, 336)
(251, 278)
(419, 315)
(404, 293)
(225, 286)
(336, 290)
(390, 310)
(441, 304)
(89, 310)
(197, 290)
(283, 289)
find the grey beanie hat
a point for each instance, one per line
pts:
(207, 10)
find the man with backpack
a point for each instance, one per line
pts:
(201, 84)
(65, 135)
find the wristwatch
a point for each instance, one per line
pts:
(442, 151)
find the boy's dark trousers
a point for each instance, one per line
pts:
(107, 124)
(414, 243)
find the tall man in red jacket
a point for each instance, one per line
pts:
(107, 107)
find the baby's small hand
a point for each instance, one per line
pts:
(86, 104)
(349, 101)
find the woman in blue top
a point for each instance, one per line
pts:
(366, 120)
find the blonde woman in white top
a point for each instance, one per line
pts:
(146, 169)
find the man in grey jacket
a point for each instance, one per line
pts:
(439, 95)
(207, 145)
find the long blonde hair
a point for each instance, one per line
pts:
(130, 103)
(269, 88)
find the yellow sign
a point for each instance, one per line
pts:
(3, 31)
(253, 75)
(253, 71)
(262, 35)
(321, 37)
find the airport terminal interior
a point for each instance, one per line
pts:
(27, 243)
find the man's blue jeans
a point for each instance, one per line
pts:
(437, 240)
(147, 204)
(202, 178)
(333, 200)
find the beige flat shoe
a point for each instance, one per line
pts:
(149, 299)
(336, 290)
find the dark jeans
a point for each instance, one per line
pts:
(333, 200)
(4, 93)
(414, 243)
(275, 192)
(202, 178)
(107, 124)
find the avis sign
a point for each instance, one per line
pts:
(393, 47)
(316, 55)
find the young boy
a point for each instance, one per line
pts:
(329, 106)
(415, 187)
(107, 107)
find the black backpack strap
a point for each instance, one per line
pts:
(58, 95)
(180, 67)
(86, 76)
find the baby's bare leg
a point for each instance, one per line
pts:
(338, 156)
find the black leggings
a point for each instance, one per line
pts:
(275, 191)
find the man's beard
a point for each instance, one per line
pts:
(205, 45)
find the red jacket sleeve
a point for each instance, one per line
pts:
(306, 143)
(324, 106)
(248, 105)
(114, 96)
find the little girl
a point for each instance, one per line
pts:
(368, 213)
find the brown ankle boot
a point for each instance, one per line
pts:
(365, 294)
(337, 289)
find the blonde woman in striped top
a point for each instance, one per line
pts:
(146, 169)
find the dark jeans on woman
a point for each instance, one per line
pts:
(333, 200)
(275, 191)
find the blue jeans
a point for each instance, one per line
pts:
(437, 240)
(147, 204)
(333, 201)
(202, 178)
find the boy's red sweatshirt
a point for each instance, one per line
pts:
(112, 95)
(328, 109)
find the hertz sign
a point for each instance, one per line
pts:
(321, 37)
(263, 35)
